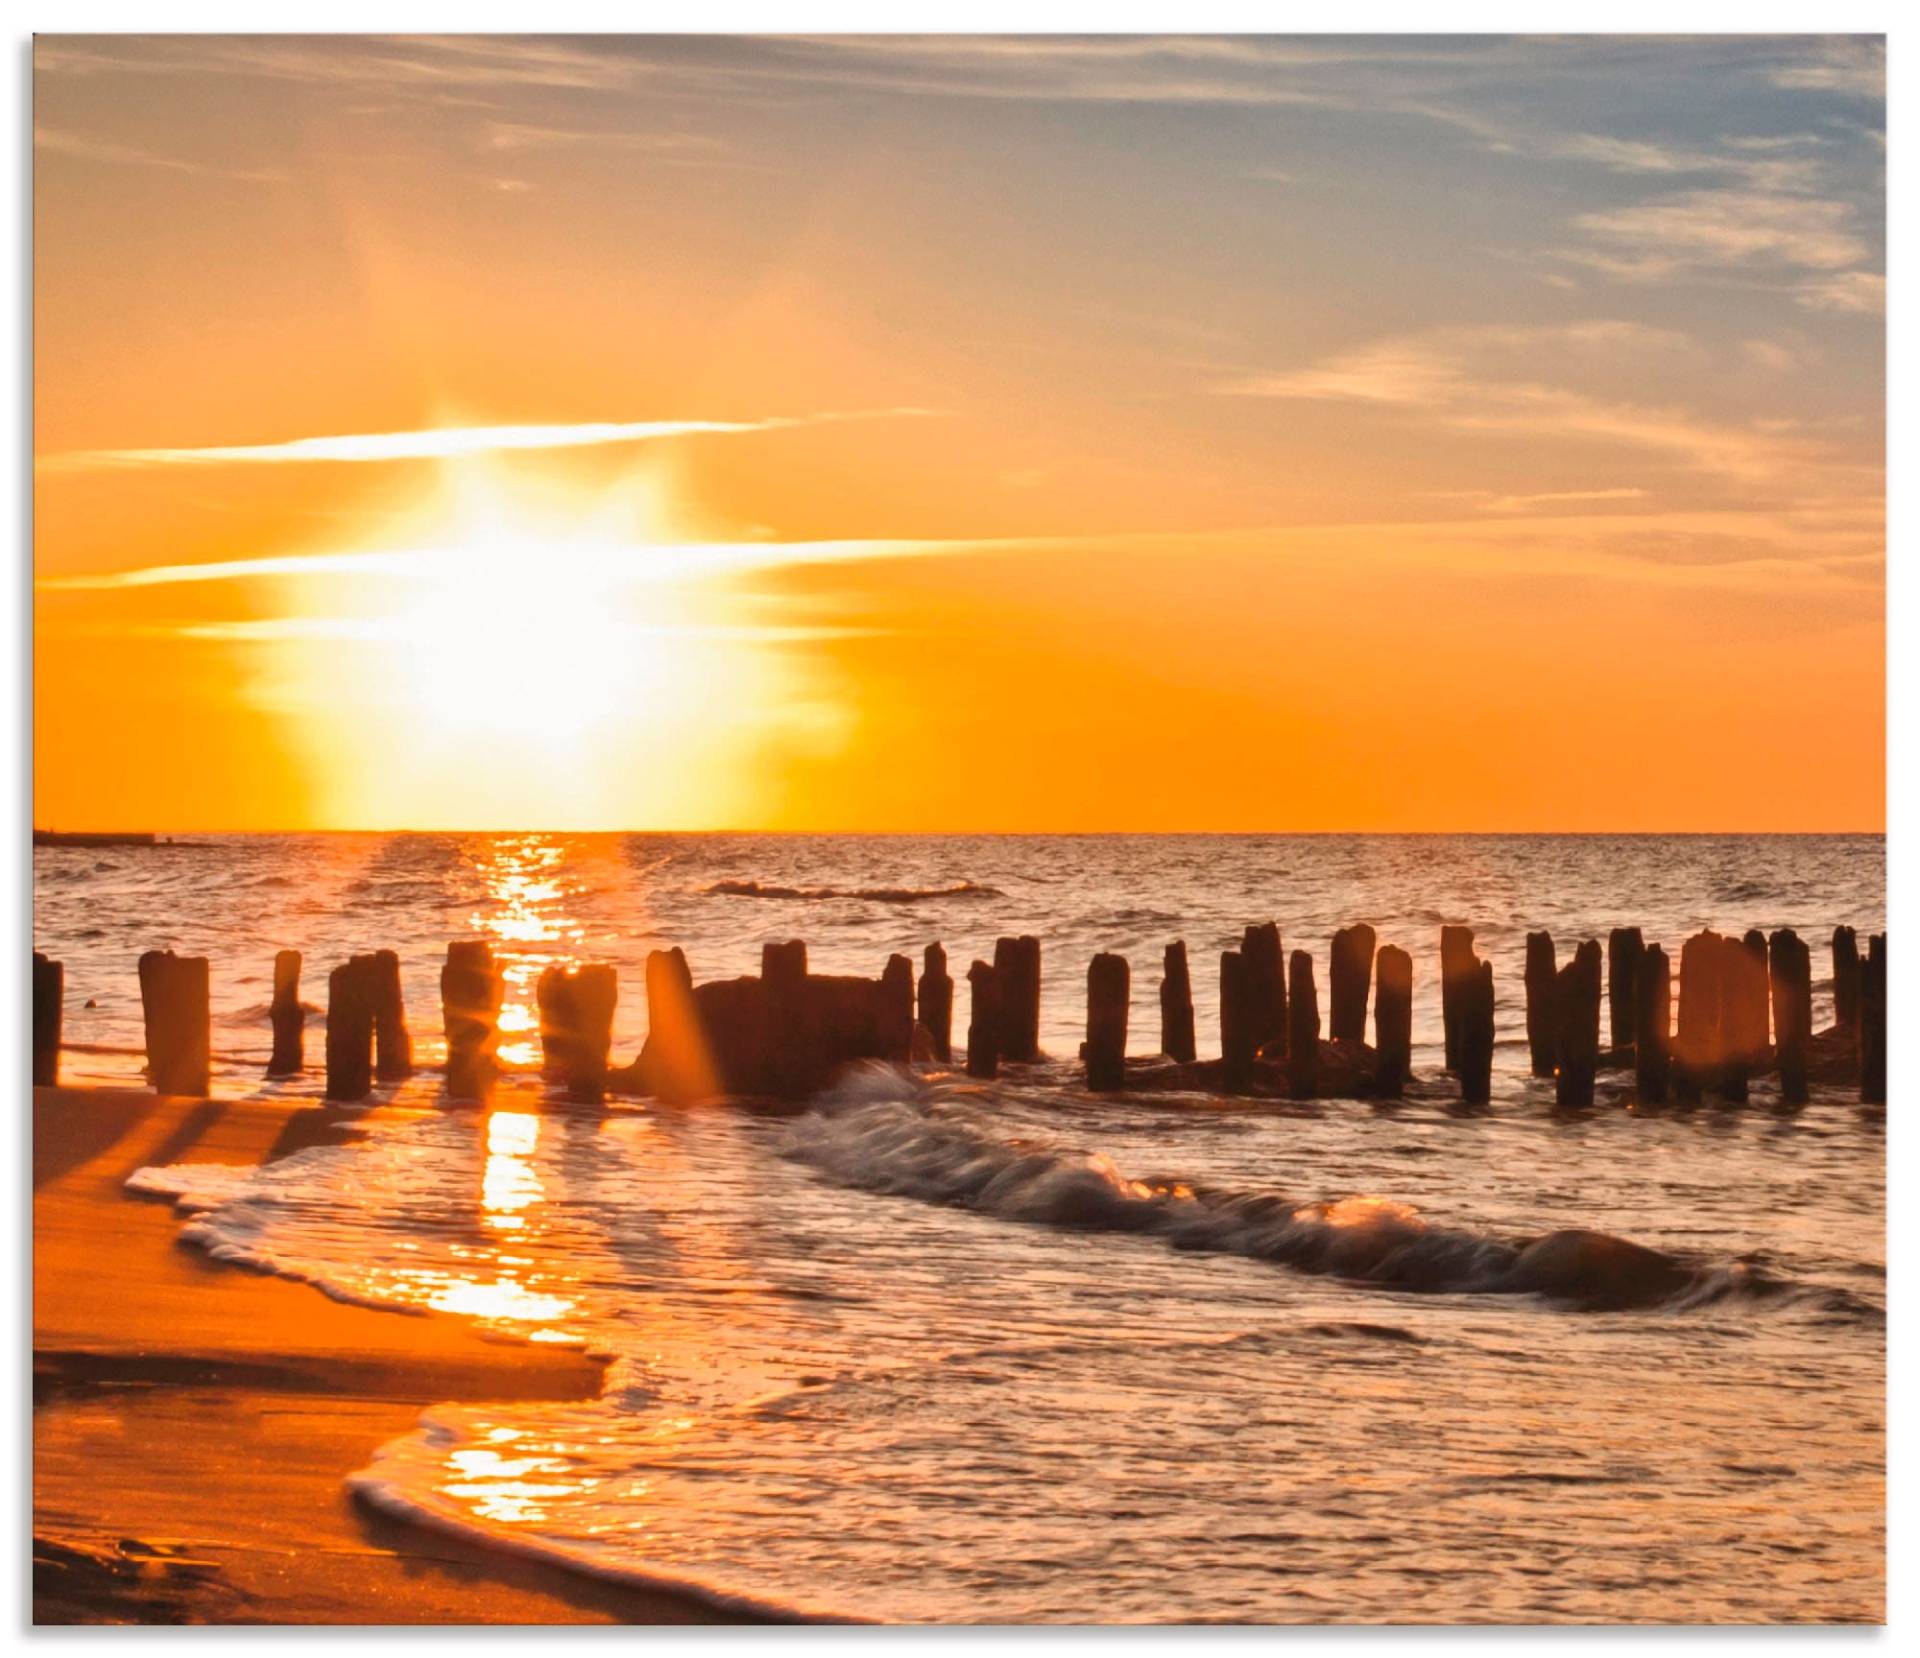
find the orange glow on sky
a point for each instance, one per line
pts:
(957, 439)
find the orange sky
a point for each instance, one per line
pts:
(959, 434)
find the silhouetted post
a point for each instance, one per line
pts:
(1393, 1021)
(1266, 984)
(1349, 975)
(393, 1047)
(936, 1003)
(1541, 1027)
(1109, 990)
(983, 1027)
(173, 1000)
(1576, 1008)
(789, 1040)
(49, 992)
(896, 1010)
(471, 991)
(1873, 1022)
(1016, 962)
(288, 1017)
(1790, 983)
(1697, 1043)
(1236, 1021)
(589, 996)
(1475, 997)
(1176, 1006)
(1653, 1025)
(350, 1008)
(1846, 978)
(1457, 966)
(1625, 947)
(1743, 1012)
(1303, 1028)
(683, 1068)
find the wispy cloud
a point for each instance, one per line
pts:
(59, 141)
(442, 443)
(1859, 293)
(1696, 228)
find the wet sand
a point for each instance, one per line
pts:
(194, 1423)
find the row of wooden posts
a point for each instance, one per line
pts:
(1731, 991)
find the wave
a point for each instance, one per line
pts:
(881, 1131)
(877, 895)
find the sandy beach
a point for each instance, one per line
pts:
(194, 1424)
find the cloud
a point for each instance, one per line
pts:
(441, 443)
(1855, 66)
(1722, 227)
(1856, 293)
(57, 141)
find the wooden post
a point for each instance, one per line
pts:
(1873, 1022)
(350, 1005)
(936, 1003)
(1303, 1028)
(1266, 970)
(1236, 1021)
(1790, 984)
(1349, 976)
(789, 1039)
(393, 1047)
(1743, 1003)
(1625, 947)
(173, 1000)
(1109, 987)
(288, 1016)
(682, 1065)
(1542, 1023)
(1653, 1025)
(49, 993)
(1576, 1007)
(471, 991)
(983, 1028)
(1393, 1022)
(1176, 1005)
(1016, 963)
(1457, 967)
(1475, 1006)
(1696, 1044)
(1846, 978)
(896, 1010)
(576, 1027)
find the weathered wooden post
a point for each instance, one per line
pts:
(1236, 1021)
(1576, 1007)
(1303, 1028)
(1743, 1012)
(393, 1047)
(1873, 1022)
(1349, 976)
(471, 990)
(1475, 1069)
(1790, 984)
(1653, 1025)
(1846, 978)
(1266, 970)
(350, 1010)
(936, 1003)
(896, 1010)
(1109, 987)
(288, 1017)
(49, 995)
(1176, 1005)
(983, 1026)
(1393, 1022)
(1697, 1042)
(174, 1004)
(1625, 947)
(789, 1038)
(584, 1001)
(1457, 967)
(683, 1067)
(1016, 964)
(1542, 1028)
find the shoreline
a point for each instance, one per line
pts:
(194, 1424)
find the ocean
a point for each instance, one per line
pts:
(926, 1349)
